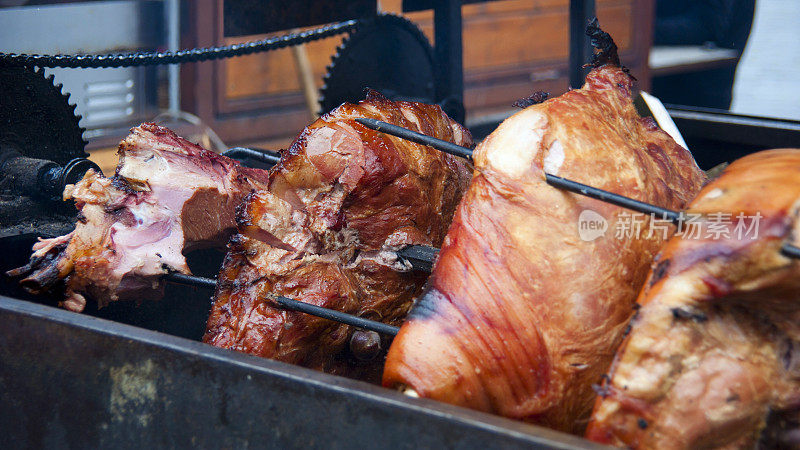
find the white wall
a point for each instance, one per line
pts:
(768, 77)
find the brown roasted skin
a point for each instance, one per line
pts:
(712, 357)
(339, 203)
(167, 196)
(521, 315)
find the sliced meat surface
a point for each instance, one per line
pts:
(167, 196)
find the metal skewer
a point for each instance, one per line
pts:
(191, 280)
(419, 138)
(337, 316)
(295, 305)
(675, 217)
(421, 257)
(268, 157)
(791, 251)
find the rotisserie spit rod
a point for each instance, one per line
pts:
(676, 217)
(294, 305)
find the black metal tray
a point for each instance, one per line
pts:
(73, 380)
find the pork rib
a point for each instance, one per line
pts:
(339, 203)
(522, 315)
(712, 357)
(167, 196)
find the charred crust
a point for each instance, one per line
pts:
(659, 271)
(371, 95)
(684, 314)
(235, 242)
(41, 274)
(41, 280)
(122, 184)
(642, 423)
(122, 148)
(82, 217)
(24, 270)
(242, 211)
(788, 356)
(533, 99)
(627, 330)
(606, 51)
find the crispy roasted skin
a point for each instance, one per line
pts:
(521, 315)
(712, 357)
(340, 201)
(168, 195)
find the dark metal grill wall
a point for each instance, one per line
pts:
(70, 380)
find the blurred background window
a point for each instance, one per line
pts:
(740, 55)
(694, 28)
(766, 81)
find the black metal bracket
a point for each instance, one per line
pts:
(716, 136)
(449, 50)
(449, 47)
(420, 257)
(246, 17)
(40, 177)
(580, 47)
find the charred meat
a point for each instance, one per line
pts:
(339, 203)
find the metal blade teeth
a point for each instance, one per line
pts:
(325, 78)
(341, 53)
(59, 134)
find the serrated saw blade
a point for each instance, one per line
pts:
(36, 118)
(387, 53)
